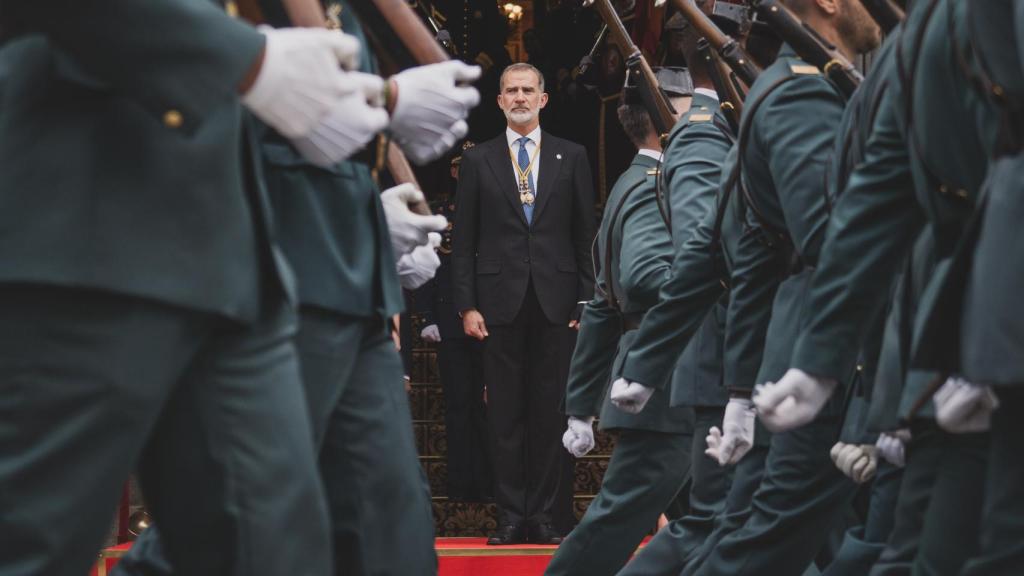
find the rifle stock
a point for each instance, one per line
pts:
(661, 111)
(729, 50)
(810, 46)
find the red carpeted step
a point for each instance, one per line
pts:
(456, 557)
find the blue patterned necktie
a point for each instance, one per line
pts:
(524, 162)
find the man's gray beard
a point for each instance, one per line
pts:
(520, 117)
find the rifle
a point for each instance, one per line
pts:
(310, 14)
(436, 22)
(729, 94)
(588, 60)
(885, 12)
(729, 50)
(658, 107)
(810, 45)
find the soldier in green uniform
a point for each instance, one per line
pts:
(907, 181)
(333, 225)
(790, 118)
(697, 147)
(651, 457)
(991, 344)
(856, 454)
(147, 314)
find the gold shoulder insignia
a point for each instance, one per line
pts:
(804, 69)
(653, 172)
(700, 117)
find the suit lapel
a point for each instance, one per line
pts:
(505, 175)
(550, 167)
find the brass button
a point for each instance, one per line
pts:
(173, 119)
(960, 193)
(943, 189)
(860, 368)
(231, 8)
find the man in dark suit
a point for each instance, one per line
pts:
(521, 263)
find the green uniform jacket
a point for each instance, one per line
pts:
(791, 136)
(992, 345)
(697, 146)
(640, 257)
(330, 221)
(125, 167)
(922, 168)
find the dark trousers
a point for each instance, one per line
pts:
(801, 499)
(93, 385)
(708, 487)
(863, 544)
(1002, 526)
(460, 361)
(526, 364)
(376, 489)
(362, 426)
(937, 514)
(645, 472)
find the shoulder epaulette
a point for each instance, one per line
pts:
(804, 69)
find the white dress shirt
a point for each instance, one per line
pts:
(650, 153)
(531, 148)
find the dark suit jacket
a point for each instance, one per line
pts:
(124, 166)
(496, 254)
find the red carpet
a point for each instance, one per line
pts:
(473, 557)
(457, 557)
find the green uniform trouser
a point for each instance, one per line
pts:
(862, 545)
(937, 514)
(362, 424)
(93, 385)
(666, 553)
(1002, 527)
(645, 472)
(801, 498)
(375, 486)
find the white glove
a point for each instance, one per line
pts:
(408, 229)
(301, 80)
(857, 462)
(630, 397)
(430, 333)
(738, 424)
(351, 123)
(891, 447)
(792, 401)
(962, 407)
(429, 115)
(417, 267)
(579, 436)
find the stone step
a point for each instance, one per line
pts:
(477, 518)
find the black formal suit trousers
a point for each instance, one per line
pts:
(526, 364)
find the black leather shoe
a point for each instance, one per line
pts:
(544, 534)
(507, 534)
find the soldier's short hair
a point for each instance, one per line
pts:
(521, 67)
(636, 122)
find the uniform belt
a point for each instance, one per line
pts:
(632, 320)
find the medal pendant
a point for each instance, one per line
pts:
(526, 198)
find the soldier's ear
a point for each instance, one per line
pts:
(829, 7)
